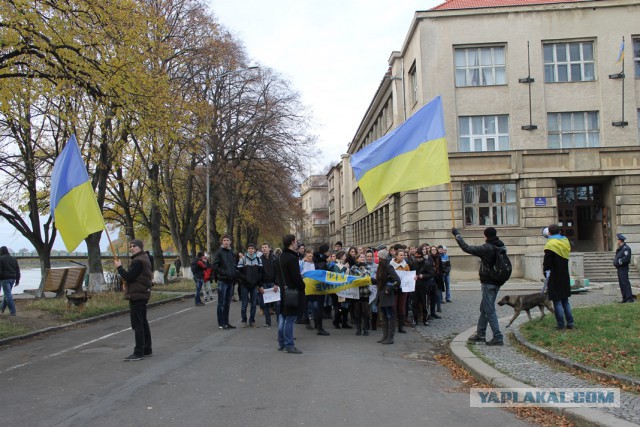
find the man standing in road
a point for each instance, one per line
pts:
(621, 262)
(198, 267)
(268, 281)
(138, 291)
(289, 278)
(487, 255)
(9, 277)
(224, 266)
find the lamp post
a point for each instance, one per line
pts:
(210, 158)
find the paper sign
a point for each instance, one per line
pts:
(270, 295)
(353, 293)
(407, 279)
(374, 293)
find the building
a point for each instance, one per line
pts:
(315, 223)
(541, 128)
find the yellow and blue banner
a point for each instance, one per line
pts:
(321, 282)
(620, 56)
(73, 203)
(412, 156)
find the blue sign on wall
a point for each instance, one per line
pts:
(540, 201)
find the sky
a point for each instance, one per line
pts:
(334, 53)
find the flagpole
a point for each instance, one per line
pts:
(113, 251)
(453, 221)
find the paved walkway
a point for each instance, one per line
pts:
(458, 322)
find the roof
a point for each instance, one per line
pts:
(478, 4)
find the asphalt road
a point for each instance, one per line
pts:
(202, 376)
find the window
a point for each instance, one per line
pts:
(569, 62)
(490, 204)
(483, 133)
(413, 83)
(573, 130)
(481, 66)
(636, 56)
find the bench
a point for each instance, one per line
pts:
(59, 279)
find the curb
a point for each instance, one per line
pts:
(571, 364)
(489, 375)
(58, 328)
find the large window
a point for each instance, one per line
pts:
(490, 204)
(480, 66)
(573, 130)
(483, 133)
(569, 62)
(413, 83)
(636, 56)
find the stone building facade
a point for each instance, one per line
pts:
(314, 229)
(540, 128)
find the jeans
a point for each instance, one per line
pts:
(207, 290)
(248, 295)
(387, 312)
(562, 311)
(140, 326)
(7, 297)
(225, 293)
(285, 330)
(488, 312)
(447, 287)
(199, 283)
(267, 307)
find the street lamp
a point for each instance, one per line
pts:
(210, 158)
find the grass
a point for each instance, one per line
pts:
(12, 329)
(100, 303)
(606, 337)
(183, 285)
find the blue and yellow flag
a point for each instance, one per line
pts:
(620, 56)
(412, 156)
(73, 203)
(321, 282)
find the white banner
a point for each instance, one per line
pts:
(353, 293)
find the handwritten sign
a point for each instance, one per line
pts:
(353, 293)
(407, 280)
(270, 295)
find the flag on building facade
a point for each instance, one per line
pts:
(73, 203)
(412, 156)
(620, 56)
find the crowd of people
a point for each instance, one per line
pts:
(259, 269)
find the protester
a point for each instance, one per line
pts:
(340, 305)
(224, 267)
(207, 289)
(9, 277)
(446, 271)
(438, 277)
(398, 263)
(388, 283)
(250, 276)
(487, 254)
(555, 266)
(317, 301)
(307, 264)
(424, 277)
(373, 268)
(198, 267)
(268, 281)
(361, 311)
(290, 279)
(621, 263)
(138, 291)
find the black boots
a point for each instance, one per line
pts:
(385, 330)
(319, 328)
(345, 317)
(391, 327)
(401, 324)
(374, 321)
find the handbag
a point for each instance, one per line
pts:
(290, 295)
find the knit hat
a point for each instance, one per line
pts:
(490, 232)
(138, 243)
(383, 254)
(381, 246)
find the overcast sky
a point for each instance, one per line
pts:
(333, 52)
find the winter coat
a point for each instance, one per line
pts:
(289, 277)
(559, 284)
(387, 291)
(9, 267)
(224, 265)
(623, 256)
(362, 270)
(138, 278)
(250, 271)
(197, 268)
(269, 268)
(487, 254)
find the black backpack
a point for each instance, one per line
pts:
(500, 271)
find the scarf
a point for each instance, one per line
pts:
(558, 244)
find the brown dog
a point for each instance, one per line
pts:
(77, 299)
(526, 303)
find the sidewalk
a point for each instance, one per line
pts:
(513, 369)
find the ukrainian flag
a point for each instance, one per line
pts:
(412, 156)
(74, 207)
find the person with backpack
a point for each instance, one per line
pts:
(198, 268)
(493, 274)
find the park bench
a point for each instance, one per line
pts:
(60, 279)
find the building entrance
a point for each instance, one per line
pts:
(582, 217)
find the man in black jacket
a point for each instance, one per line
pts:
(224, 266)
(289, 278)
(138, 291)
(621, 263)
(9, 277)
(487, 255)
